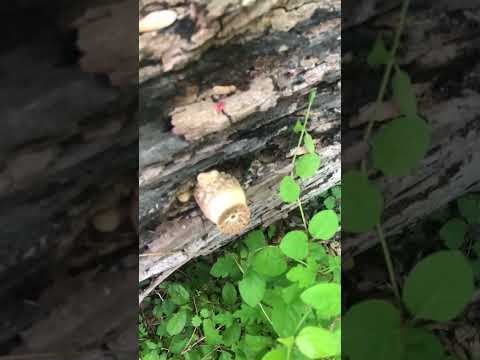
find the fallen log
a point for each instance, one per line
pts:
(232, 109)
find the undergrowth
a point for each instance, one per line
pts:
(438, 287)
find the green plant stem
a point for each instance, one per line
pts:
(388, 260)
(265, 313)
(386, 77)
(302, 320)
(302, 213)
(302, 134)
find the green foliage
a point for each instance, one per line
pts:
(379, 54)
(295, 245)
(400, 145)
(260, 299)
(403, 93)
(453, 233)
(289, 190)
(307, 165)
(374, 340)
(363, 205)
(324, 225)
(440, 285)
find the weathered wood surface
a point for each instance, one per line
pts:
(440, 51)
(276, 52)
(69, 136)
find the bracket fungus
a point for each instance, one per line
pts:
(222, 201)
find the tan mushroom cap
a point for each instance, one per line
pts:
(222, 201)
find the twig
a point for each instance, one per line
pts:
(157, 282)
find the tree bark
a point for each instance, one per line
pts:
(439, 50)
(69, 137)
(227, 98)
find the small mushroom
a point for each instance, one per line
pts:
(157, 20)
(222, 201)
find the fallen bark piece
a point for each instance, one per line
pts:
(199, 119)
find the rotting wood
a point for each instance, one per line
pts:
(245, 128)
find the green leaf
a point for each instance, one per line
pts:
(337, 192)
(330, 202)
(307, 165)
(271, 231)
(177, 344)
(225, 356)
(317, 251)
(295, 245)
(374, 329)
(255, 240)
(196, 321)
(176, 323)
(192, 355)
(362, 203)
(453, 233)
(252, 288)
(301, 275)
(297, 129)
(276, 354)
(232, 334)
(223, 318)
(379, 55)
(316, 342)
(223, 267)
(257, 344)
(335, 266)
(289, 190)
(469, 207)
(212, 336)
(270, 262)
(178, 294)
(309, 143)
(152, 355)
(325, 298)
(403, 93)
(285, 317)
(422, 344)
(439, 286)
(323, 225)
(229, 294)
(400, 145)
(290, 293)
(205, 313)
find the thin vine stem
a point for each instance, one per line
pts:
(386, 78)
(367, 135)
(302, 213)
(389, 262)
(302, 134)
